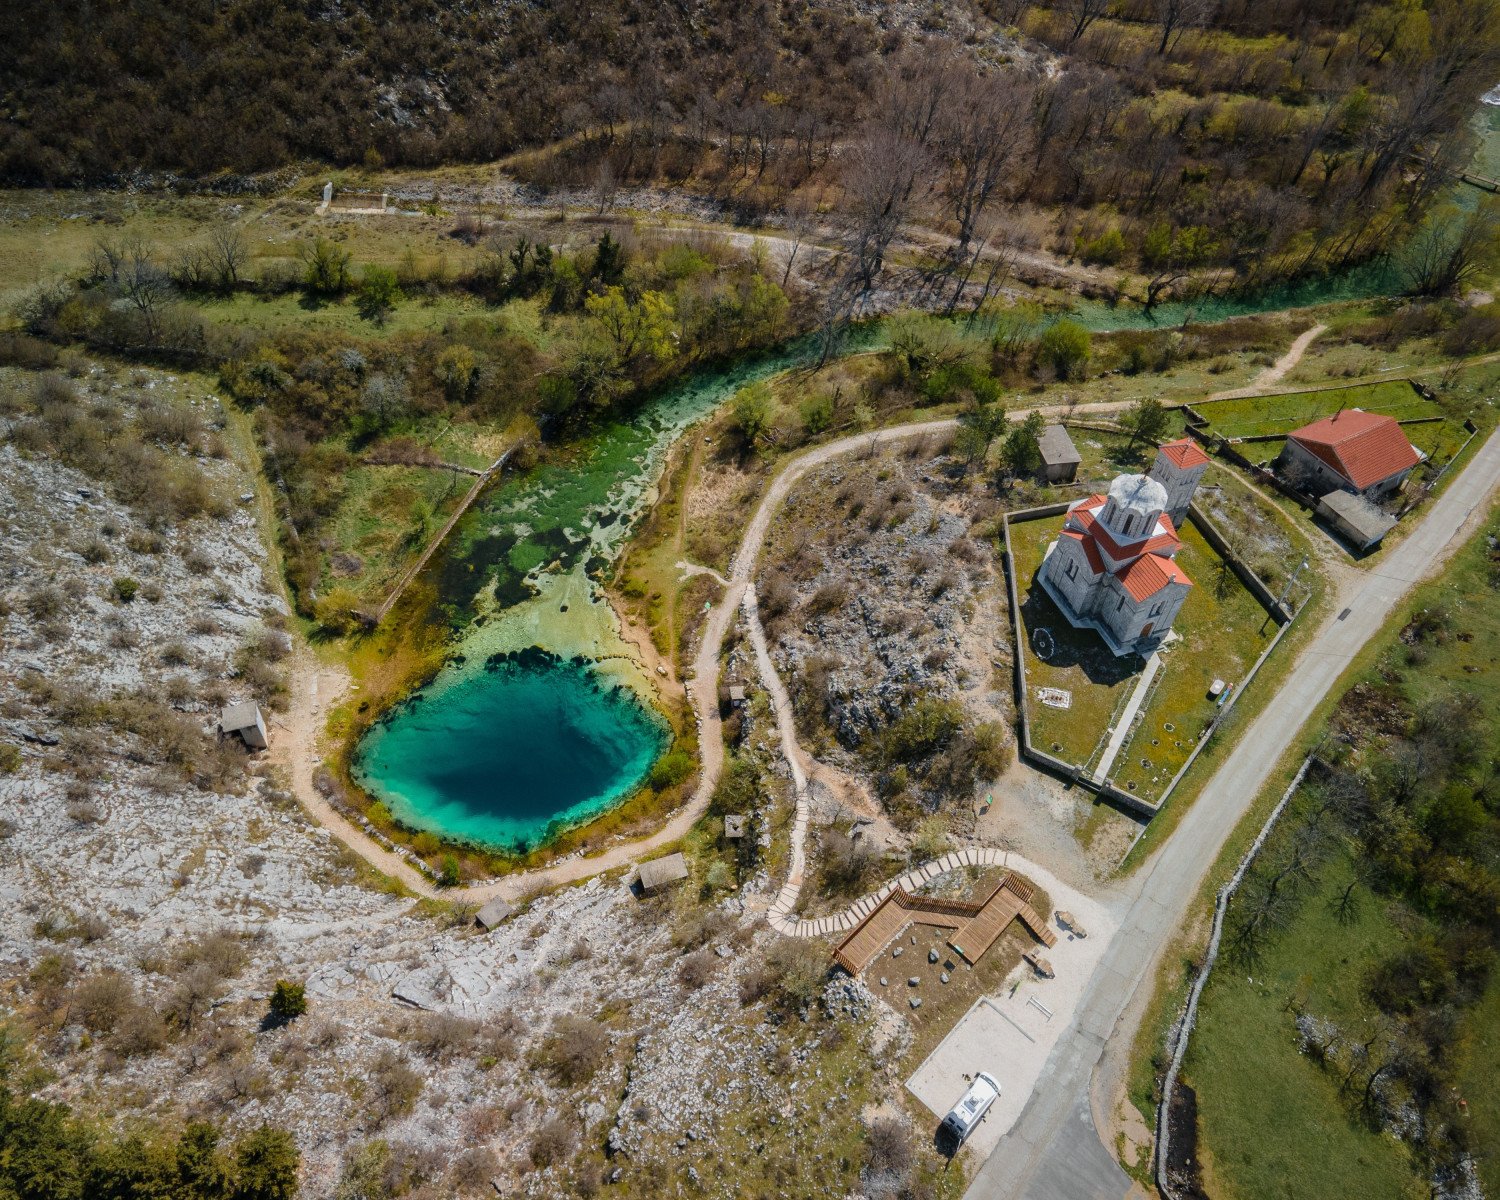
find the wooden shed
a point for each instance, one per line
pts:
(245, 720)
(659, 872)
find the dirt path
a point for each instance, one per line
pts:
(1277, 371)
(296, 746)
(299, 743)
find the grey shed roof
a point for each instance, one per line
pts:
(493, 913)
(737, 692)
(1367, 521)
(734, 826)
(1057, 447)
(239, 716)
(661, 871)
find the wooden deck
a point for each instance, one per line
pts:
(977, 924)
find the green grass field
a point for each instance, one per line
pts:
(1257, 416)
(1223, 630)
(1272, 1124)
(1078, 661)
(1319, 1147)
(375, 533)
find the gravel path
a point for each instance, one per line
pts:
(1277, 371)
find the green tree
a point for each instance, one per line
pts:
(288, 1001)
(378, 294)
(817, 413)
(326, 268)
(1147, 420)
(609, 261)
(450, 875)
(266, 1164)
(1021, 452)
(457, 370)
(644, 328)
(1066, 347)
(750, 412)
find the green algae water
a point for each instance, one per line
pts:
(544, 717)
(512, 750)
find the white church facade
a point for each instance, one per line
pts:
(1112, 569)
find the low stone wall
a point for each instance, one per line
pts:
(1075, 772)
(1190, 1016)
(1204, 524)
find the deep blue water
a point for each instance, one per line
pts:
(508, 753)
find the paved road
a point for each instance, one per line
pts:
(1053, 1152)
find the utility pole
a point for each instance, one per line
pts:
(1281, 599)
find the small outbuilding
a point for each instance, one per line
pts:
(493, 913)
(245, 719)
(1355, 519)
(660, 872)
(737, 695)
(1060, 458)
(734, 826)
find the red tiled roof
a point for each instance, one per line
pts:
(1090, 551)
(1185, 454)
(1161, 543)
(1365, 448)
(1149, 574)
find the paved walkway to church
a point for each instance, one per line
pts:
(1127, 718)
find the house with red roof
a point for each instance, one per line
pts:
(1112, 568)
(1351, 451)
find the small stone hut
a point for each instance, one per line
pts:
(734, 826)
(245, 719)
(660, 872)
(1060, 458)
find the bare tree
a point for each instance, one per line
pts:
(147, 287)
(1448, 252)
(797, 219)
(227, 252)
(1177, 16)
(1083, 13)
(879, 181)
(604, 186)
(984, 134)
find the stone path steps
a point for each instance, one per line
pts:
(783, 920)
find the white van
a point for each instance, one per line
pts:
(966, 1114)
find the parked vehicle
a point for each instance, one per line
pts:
(972, 1106)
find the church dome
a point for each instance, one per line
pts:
(1135, 502)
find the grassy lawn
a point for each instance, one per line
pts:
(1477, 1084)
(1223, 629)
(1322, 1147)
(1078, 661)
(294, 311)
(1244, 1063)
(376, 532)
(1260, 415)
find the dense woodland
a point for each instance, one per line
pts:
(1273, 138)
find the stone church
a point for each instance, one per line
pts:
(1112, 569)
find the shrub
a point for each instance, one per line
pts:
(126, 589)
(670, 769)
(1065, 347)
(817, 413)
(10, 758)
(288, 1001)
(553, 1143)
(575, 1050)
(396, 1084)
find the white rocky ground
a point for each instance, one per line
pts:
(114, 863)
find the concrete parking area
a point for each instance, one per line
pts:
(1011, 1033)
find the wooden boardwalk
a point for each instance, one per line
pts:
(977, 924)
(412, 571)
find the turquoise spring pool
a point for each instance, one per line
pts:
(510, 751)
